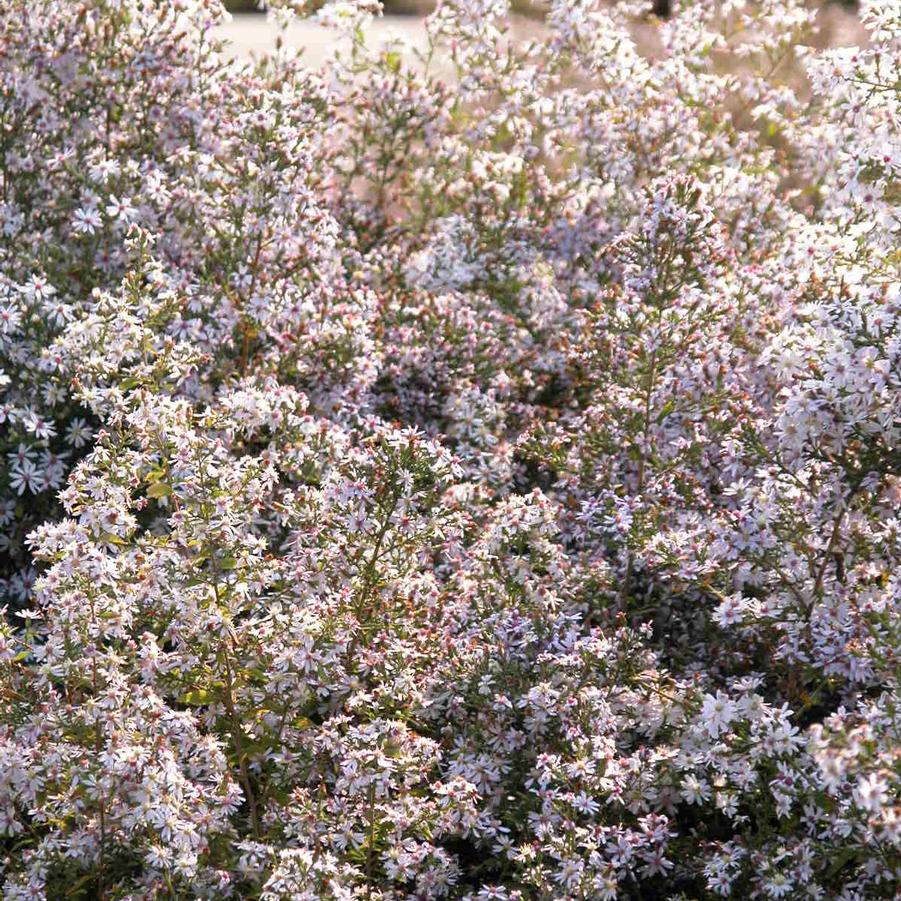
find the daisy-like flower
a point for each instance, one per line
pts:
(78, 432)
(86, 220)
(717, 712)
(26, 477)
(38, 425)
(120, 208)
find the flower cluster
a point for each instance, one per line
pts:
(466, 474)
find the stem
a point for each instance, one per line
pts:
(245, 327)
(830, 547)
(623, 594)
(98, 745)
(370, 850)
(229, 697)
(239, 743)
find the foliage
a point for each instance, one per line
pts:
(477, 487)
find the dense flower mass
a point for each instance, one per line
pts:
(467, 474)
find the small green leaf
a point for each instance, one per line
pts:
(668, 408)
(159, 489)
(197, 698)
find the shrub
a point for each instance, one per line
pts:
(478, 486)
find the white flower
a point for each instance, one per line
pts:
(717, 712)
(122, 209)
(87, 220)
(26, 477)
(871, 792)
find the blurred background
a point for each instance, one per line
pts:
(391, 7)
(249, 33)
(422, 7)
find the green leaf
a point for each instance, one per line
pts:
(197, 698)
(159, 489)
(668, 408)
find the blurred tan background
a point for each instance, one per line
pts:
(251, 33)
